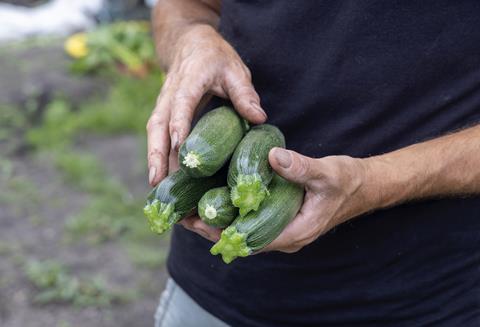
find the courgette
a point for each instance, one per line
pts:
(216, 209)
(176, 197)
(259, 228)
(250, 173)
(211, 142)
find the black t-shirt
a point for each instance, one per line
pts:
(358, 78)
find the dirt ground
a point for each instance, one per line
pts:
(24, 237)
(33, 212)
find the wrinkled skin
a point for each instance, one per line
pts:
(200, 63)
(212, 67)
(199, 70)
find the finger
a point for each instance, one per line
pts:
(285, 242)
(196, 225)
(173, 161)
(158, 142)
(302, 230)
(186, 99)
(188, 222)
(212, 233)
(292, 165)
(245, 99)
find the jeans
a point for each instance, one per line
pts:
(177, 309)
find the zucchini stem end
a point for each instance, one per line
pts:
(248, 193)
(191, 160)
(161, 216)
(231, 245)
(210, 212)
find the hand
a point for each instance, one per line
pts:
(204, 64)
(334, 194)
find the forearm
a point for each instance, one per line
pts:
(171, 19)
(445, 166)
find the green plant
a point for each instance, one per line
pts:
(55, 284)
(146, 255)
(15, 190)
(57, 127)
(103, 219)
(126, 43)
(126, 108)
(111, 210)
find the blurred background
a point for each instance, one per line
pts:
(78, 80)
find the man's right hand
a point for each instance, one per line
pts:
(204, 64)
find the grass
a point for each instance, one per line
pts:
(146, 255)
(112, 213)
(124, 110)
(112, 210)
(55, 284)
(18, 193)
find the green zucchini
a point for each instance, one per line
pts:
(176, 197)
(259, 228)
(211, 142)
(250, 173)
(216, 209)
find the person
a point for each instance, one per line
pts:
(379, 102)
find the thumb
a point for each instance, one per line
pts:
(291, 165)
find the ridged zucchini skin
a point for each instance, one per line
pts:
(211, 142)
(175, 197)
(249, 172)
(216, 209)
(259, 228)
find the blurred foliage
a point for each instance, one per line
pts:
(112, 210)
(12, 123)
(125, 108)
(11, 119)
(125, 44)
(111, 213)
(18, 192)
(85, 172)
(146, 256)
(55, 284)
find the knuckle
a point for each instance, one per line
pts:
(301, 166)
(184, 97)
(156, 153)
(173, 125)
(177, 123)
(149, 125)
(155, 121)
(240, 91)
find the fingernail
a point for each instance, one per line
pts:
(283, 157)
(151, 174)
(174, 140)
(257, 108)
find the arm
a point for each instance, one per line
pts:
(172, 19)
(199, 64)
(339, 188)
(446, 166)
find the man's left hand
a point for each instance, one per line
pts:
(334, 194)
